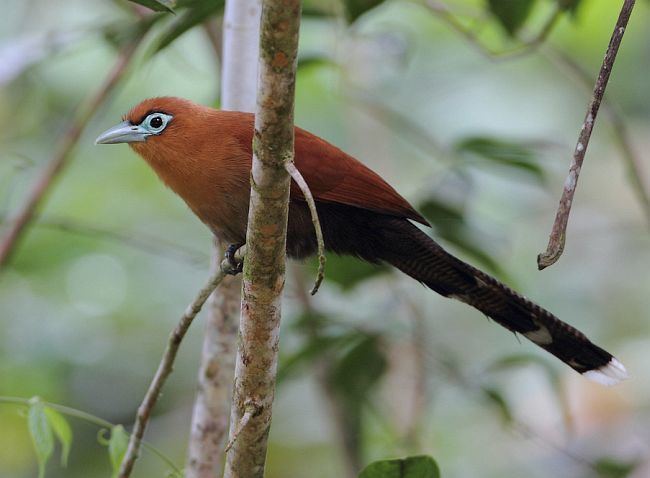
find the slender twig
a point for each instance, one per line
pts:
(632, 161)
(264, 268)
(302, 184)
(558, 233)
(526, 47)
(562, 59)
(251, 409)
(211, 411)
(141, 241)
(408, 129)
(45, 181)
(167, 364)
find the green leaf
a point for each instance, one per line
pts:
(351, 378)
(513, 154)
(117, 446)
(496, 398)
(157, 5)
(570, 6)
(318, 9)
(449, 222)
(314, 60)
(348, 271)
(62, 431)
(315, 348)
(321, 341)
(440, 212)
(520, 360)
(512, 14)
(41, 434)
(359, 368)
(196, 13)
(611, 468)
(412, 467)
(315, 12)
(356, 8)
(118, 34)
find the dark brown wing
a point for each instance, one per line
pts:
(332, 175)
(336, 177)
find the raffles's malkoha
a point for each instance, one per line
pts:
(204, 155)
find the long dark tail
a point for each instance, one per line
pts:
(379, 238)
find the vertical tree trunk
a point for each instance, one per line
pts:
(264, 266)
(210, 417)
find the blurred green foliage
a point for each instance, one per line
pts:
(42, 436)
(157, 5)
(117, 445)
(608, 468)
(481, 148)
(512, 14)
(412, 467)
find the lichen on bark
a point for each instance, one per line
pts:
(264, 266)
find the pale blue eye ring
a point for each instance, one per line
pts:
(155, 123)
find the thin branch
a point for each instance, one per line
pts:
(45, 181)
(562, 59)
(558, 233)
(264, 268)
(166, 366)
(406, 129)
(148, 243)
(251, 409)
(211, 411)
(306, 192)
(526, 47)
(621, 134)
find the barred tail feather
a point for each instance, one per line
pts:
(383, 238)
(429, 263)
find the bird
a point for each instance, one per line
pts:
(204, 155)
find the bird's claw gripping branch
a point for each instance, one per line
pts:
(236, 265)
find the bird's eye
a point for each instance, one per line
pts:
(156, 122)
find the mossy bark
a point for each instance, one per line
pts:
(264, 267)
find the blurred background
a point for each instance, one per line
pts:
(471, 109)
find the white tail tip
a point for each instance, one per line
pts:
(610, 374)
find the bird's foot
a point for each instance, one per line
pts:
(235, 265)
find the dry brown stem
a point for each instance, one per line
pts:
(557, 238)
(166, 366)
(44, 183)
